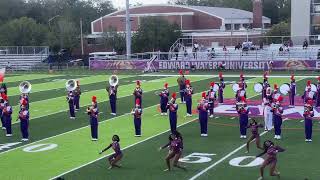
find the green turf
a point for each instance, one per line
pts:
(75, 148)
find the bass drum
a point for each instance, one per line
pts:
(258, 87)
(313, 88)
(235, 87)
(284, 88)
(215, 87)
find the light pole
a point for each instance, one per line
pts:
(128, 30)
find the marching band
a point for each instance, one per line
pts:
(203, 108)
(164, 98)
(137, 112)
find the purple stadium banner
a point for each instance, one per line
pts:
(204, 65)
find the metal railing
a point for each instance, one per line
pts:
(24, 50)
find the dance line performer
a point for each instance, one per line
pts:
(77, 93)
(243, 112)
(292, 91)
(112, 92)
(24, 121)
(203, 107)
(164, 98)
(93, 113)
(173, 108)
(137, 93)
(117, 156)
(70, 100)
(254, 126)
(137, 112)
(188, 97)
(271, 150)
(277, 111)
(308, 114)
(182, 86)
(175, 151)
(221, 88)
(211, 95)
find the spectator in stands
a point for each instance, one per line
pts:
(185, 53)
(318, 55)
(280, 50)
(176, 52)
(8, 66)
(212, 53)
(305, 44)
(261, 44)
(224, 48)
(196, 47)
(238, 46)
(290, 43)
(194, 52)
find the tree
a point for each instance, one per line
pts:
(155, 34)
(114, 40)
(23, 32)
(282, 29)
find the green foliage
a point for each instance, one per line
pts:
(114, 40)
(155, 34)
(281, 29)
(23, 32)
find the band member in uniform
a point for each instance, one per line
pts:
(277, 111)
(24, 97)
(173, 107)
(3, 88)
(77, 93)
(254, 126)
(175, 151)
(211, 98)
(24, 121)
(275, 94)
(2, 106)
(70, 100)
(7, 115)
(93, 113)
(164, 98)
(292, 91)
(241, 93)
(182, 85)
(308, 114)
(265, 84)
(243, 112)
(243, 82)
(203, 115)
(308, 94)
(221, 88)
(271, 150)
(117, 155)
(137, 112)
(267, 102)
(318, 93)
(138, 93)
(188, 98)
(112, 91)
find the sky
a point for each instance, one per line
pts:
(121, 3)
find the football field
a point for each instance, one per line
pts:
(60, 147)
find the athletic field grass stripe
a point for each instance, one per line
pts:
(28, 76)
(60, 83)
(53, 93)
(53, 122)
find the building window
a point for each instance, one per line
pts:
(236, 26)
(228, 27)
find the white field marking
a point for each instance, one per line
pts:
(105, 121)
(216, 117)
(302, 121)
(285, 119)
(121, 149)
(233, 118)
(222, 159)
(208, 75)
